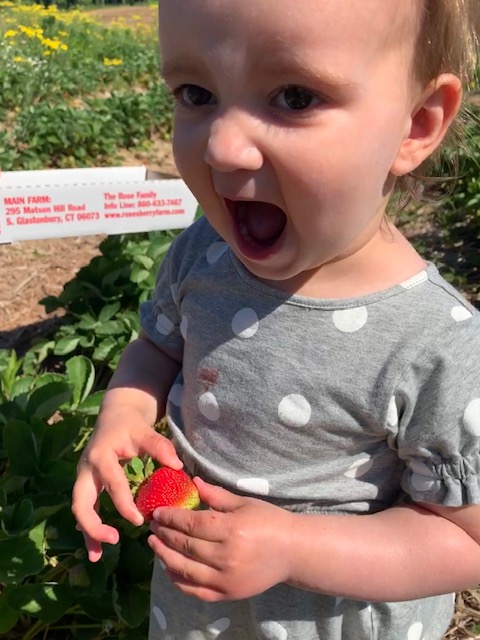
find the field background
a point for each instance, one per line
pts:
(29, 271)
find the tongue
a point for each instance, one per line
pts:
(265, 222)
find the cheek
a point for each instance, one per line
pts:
(181, 149)
(188, 145)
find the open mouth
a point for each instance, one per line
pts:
(258, 225)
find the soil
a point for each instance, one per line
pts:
(32, 270)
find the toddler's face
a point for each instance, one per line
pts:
(289, 116)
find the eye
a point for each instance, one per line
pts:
(296, 98)
(191, 95)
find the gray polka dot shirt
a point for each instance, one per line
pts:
(332, 406)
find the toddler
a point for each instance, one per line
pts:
(320, 379)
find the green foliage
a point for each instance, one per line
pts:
(451, 236)
(48, 588)
(73, 92)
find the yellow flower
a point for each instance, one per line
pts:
(64, 47)
(47, 52)
(28, 31)
(51, 44)
(11, 33)
(20, 59)
(112, 62)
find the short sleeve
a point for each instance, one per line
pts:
(160, 316)
(434, 418)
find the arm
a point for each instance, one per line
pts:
(135, 399)
(243, 546)
(402, 553)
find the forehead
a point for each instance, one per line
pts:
(367, 24)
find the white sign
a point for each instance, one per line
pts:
(74, 202)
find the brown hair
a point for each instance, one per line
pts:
(447, 42)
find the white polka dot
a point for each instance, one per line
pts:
(350, 320)
(175, 395)
(392, 413)
(360, 467)
(160, 618)
(416, 280)
(245, 323)
(422, 477)
(184, 327)
(217, 627)
(174, 292)
(273, 631)
(208, 406)
(164, 325)
(415, 632)
(258, 486)
(460, 313)
(421, 483)
(294, 410)
(215, 251)
(471, 417)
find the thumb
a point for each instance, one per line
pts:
(216, 497)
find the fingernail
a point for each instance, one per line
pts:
(138, 520)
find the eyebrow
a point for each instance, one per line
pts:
(296, 65)
(281, 67)
(178, 67)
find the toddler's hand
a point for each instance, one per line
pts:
(235, 550)
(114, 440)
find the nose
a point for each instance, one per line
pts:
(231, 144)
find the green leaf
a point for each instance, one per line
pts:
(22, 448)
(18, 518)
(81, 374)
(109, 311)
(61, 533)
(8, 616)
(145, 261)
(44, 402)
(91, 405)
(59, 477)
(59, 438)
(21, 385)
(135, 561)
(45, 601)
(22, 556)
(139, 275)
(66, 345)
(130, 602)
(99, 607)
(106, 349)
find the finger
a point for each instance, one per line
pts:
(160, 448)
(199, 550)
(216, 497)
(204, 525)
(187, 569)
(84, 499)
(94, 549)
(198, 591)
(116, 484)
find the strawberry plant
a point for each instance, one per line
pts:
(49, 399)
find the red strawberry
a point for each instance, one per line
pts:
(166, 488)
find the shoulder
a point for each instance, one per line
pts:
(196, 240)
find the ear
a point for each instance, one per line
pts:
(429, 122)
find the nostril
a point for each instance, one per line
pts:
(229, 148)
